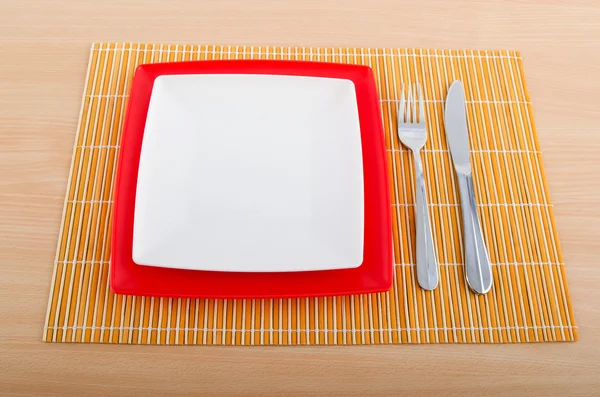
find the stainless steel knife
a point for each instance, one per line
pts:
(478, 269)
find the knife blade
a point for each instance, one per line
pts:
(478, 269)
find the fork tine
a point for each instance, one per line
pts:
(413, 103)
(421, 107)
(402, 104)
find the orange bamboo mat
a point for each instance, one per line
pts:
(529, 300)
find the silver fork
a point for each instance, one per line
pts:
(412, 131)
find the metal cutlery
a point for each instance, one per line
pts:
(412, 132)
(478, 269)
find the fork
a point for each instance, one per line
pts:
(412, 132)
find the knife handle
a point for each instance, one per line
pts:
(427, 266)
(478, 269)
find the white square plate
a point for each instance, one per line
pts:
(250, 173)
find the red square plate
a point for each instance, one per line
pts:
(375, 273)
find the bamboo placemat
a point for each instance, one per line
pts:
(530, 298)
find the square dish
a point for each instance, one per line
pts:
(238, 171)
(373, 275)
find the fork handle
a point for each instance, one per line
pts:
(427, 267)
(478, 269)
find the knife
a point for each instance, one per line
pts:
(478, 269)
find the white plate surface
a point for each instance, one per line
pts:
(250, 173)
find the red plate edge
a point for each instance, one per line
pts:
(374, 275)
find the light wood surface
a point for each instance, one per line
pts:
(44, 48)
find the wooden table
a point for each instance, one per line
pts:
(43, 57)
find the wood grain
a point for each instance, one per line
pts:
(43, 51)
